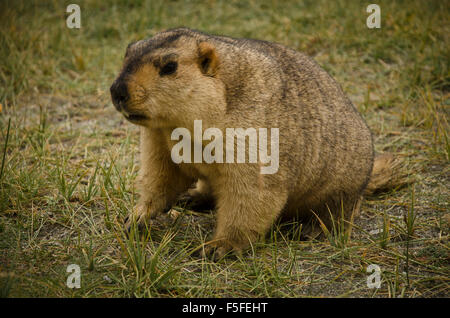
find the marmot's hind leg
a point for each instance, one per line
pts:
(331, 219)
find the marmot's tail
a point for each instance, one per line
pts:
(388, 173)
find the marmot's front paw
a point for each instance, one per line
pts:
(216, 250)
(140, 217)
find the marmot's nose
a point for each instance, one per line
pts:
(119, 94)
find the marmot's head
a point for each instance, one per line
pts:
(169, 79)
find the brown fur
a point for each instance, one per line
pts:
(387, 174)
(325, 149)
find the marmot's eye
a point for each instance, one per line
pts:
(168, 69)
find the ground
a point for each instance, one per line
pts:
(69, 160)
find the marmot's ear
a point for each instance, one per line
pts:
(207, 58)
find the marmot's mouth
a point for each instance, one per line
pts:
(135, 117)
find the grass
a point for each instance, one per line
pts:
(69, 160)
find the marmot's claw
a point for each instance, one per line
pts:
(217, 252)
(126, 223)
(139, 224)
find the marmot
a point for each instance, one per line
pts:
(326, 154)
